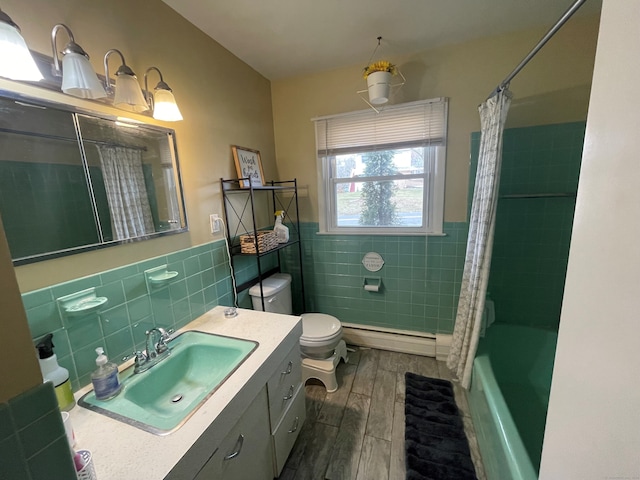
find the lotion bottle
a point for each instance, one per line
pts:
(106, 383)
(52, 372)
(281, 231)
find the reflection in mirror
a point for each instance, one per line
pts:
(74, 181)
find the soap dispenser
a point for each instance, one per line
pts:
(52, 372)
(106, 383)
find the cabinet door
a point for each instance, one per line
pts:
(246, 452)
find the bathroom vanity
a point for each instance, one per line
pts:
(246, 429)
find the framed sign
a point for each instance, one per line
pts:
(248, 165)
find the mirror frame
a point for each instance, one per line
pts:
(19, 97)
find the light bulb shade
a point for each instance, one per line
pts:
(129, 95)
(16, 61)
(78, 77)
(165, 107)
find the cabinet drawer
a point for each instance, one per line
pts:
(246, 452)
(283, 384)
(288, 429)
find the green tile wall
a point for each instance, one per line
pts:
(532, 236)
(203, 282)
(61, 190)
(33, 444)
(421, 278)
(421, 281)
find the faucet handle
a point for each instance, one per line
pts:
(162, 346)
(166, 334)
(140, 357)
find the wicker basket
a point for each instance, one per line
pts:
(267, 240)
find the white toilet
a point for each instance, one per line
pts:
(321, 343)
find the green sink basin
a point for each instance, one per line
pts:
(162, 398)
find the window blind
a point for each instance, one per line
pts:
(414, 124)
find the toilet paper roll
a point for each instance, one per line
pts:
(371, 288)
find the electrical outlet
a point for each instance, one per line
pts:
(215, 221)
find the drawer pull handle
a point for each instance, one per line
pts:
(290, 395)
(289, 367)
(295, 425)
(239, 443)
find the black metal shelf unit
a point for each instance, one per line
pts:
(248, 210)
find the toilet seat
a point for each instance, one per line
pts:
(320, 335)
(319, 328)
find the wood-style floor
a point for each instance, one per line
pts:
(357, 432)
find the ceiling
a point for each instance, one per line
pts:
(285, 38)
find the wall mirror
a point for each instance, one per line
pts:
(73, 180)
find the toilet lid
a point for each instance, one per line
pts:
(318, 327)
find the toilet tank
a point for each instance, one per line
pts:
(277, 294)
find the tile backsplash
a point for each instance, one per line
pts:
(203, 281)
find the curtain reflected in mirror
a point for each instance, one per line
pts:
(73, 181)
(126, 192)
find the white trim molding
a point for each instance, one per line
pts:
(405, 341)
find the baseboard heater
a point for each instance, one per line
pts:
(406, 341)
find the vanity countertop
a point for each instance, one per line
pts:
(123, 451)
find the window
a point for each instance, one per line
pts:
(383, 173)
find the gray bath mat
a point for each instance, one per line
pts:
(436, 447)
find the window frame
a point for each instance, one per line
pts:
(433, 176)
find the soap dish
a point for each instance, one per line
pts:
(85, 307)
(158, 277)
(80, 304)
(161, 278)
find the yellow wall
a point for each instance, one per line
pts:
(224, 102)
(20, 370)
(553, 88)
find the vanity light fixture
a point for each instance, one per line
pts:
(16, 61)
(162, 102)
(128, 94)
(78, 76)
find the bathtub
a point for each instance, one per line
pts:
(509, 397)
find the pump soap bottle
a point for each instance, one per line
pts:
(106, 383)
(52, 372)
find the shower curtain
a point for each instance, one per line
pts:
(493, 114)
(126, 191)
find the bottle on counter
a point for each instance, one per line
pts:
(106, 383)
(52, 372)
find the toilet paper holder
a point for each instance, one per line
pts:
(372, 284)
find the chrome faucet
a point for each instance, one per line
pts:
(156, 351)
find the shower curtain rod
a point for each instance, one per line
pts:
(505, 83)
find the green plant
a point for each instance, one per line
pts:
(378, 206)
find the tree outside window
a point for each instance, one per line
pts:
(379, 209)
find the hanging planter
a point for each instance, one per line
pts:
(379, 85)
(378, 76)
